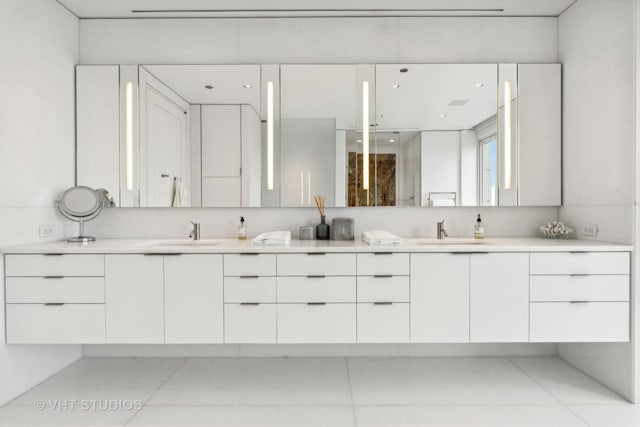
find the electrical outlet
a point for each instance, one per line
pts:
(590, 229)
(48, 231)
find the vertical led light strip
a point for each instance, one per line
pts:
(365, 135)
(507, 134)
(129, 135)
(309, 189)
(301, 188)
(269, 135)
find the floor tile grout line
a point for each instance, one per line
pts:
(353, 407)
(182, 362)
(618, 395)
(10, 402)
(556, 398)
(578, 416)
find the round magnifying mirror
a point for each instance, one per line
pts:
(81, 204)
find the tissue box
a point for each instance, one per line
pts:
(342, 229)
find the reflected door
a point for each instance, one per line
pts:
(166, 136)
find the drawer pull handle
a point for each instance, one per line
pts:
(316, 303)
(579, 302)
(53, 277)
(52, 254)
(579, 275)
(316, 277)
(162, 254)
(54, 304)
(578, 252)
(316, 253)
(250, 304)
(382, 276)
(469, 253)
(383, 253)
(249, 254)
(383, 303)
(249, 277)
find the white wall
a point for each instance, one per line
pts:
(364, 40)
(39, 45)
(596, 47)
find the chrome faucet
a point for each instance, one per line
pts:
(195, 232)
(442, 233)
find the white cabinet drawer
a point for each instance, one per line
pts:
(55, 265)
(316, 264)
(383, 323)
(383, 263)
(250, 289)
(55, 324)
(584, 322)
(59, 289)
(325, 323)
(317, 289)
(383, 288)
(250, 323)
(579, 288)
(579, 263)
(250, 264)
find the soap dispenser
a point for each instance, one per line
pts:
(478, 229)
(242, 230)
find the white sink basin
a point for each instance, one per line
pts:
(189, 242)
(449, 241)
(182, 242)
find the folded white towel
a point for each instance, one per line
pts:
(381, 238)
(272, 238)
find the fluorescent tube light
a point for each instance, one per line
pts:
(507, 135)
(269, 135)
(365, 135)
(129, 135)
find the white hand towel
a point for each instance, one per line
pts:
(180, 193)
(381, 238)
(272, 238)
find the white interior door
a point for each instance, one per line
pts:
(166, 125)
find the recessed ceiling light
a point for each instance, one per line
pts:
(442, 116)
(396, 86)
(404, 70)
(359, 140)
(392, 140)
(208, 87)
(479, 84)
(247, 86)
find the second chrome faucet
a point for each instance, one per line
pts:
(441, 232)
(195, 231)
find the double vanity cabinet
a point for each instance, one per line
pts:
(507, 290)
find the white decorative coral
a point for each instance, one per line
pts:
(555, 229)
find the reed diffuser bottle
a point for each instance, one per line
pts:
(322, 229)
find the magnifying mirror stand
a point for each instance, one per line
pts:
(81, 238)
(82, 204)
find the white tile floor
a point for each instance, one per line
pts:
(497, 391)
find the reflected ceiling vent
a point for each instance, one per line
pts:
(458, 102)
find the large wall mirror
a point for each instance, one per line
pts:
(360, 135)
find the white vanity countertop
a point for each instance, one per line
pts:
(427, 244)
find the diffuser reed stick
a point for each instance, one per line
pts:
(320, 204)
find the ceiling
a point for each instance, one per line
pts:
(228, 84)
(307, 8)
